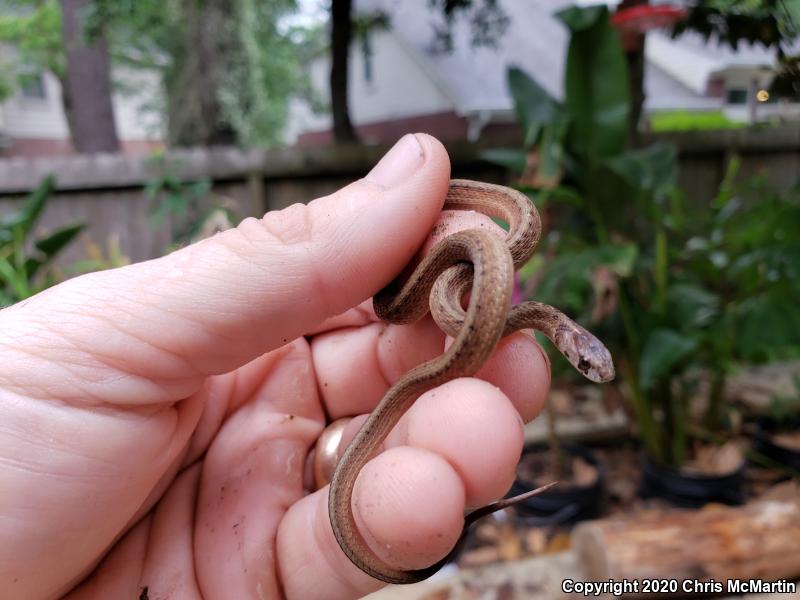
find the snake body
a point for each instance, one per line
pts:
(479, 262)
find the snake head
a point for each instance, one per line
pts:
(586, 353)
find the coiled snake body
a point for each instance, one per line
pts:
(478, 262)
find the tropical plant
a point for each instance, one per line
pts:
(677, 293)
(563, 161)
(25, 262)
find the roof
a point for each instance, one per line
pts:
(475, 78)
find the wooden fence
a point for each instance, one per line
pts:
(108, 191)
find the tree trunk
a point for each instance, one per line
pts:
(199, 64)
(758, 540)
(633, 45)
(86, 85)
(341, 34)
(636, 62)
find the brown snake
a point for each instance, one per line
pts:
(478, 262)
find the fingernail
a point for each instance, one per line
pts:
(400, 163)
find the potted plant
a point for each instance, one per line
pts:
(776, 440)
(733, 282)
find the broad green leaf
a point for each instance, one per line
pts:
(579, 18)
(620, 259)
(768, 326)
(568, 278)
(510, 158)
(663, 350)
(535, 108)
(55, 241)
(654, 168)
(691, 306)
(551, 149)
(51, 245)
(13, 279)
(792, 8)
(597, 94)
(26, 216)
(561, 194)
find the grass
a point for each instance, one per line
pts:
(684, 120)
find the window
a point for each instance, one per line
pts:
(737, 96)
(367, 54)
(33, 87)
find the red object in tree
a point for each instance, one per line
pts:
(644, 17)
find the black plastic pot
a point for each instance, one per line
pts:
(563, 503)
(764, 445)
(690, 490)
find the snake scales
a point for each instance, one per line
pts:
(478, 262)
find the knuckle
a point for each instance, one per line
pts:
(292, 225)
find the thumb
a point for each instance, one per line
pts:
(215, 305)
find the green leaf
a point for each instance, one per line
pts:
(510, 158)
(654, 168)
(691, 306)
(620, 259)
(567, 280)
(26, 216)
(6, 90)
(14, 279)
(596, 81)
(768, 326)
(579, 18)
(561, 194)
(551, 152)
(792, 8)
(663, 350)
(535, 108)
(51, 245)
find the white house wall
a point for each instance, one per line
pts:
(36, 118)
(743, 77)
(138, 108)
(44, 119)
(399, 87)
(685, 65)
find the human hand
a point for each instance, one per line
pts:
(156, 420)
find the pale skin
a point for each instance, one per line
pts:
(156, 420)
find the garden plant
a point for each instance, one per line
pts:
(26, 260)
(682, 293)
